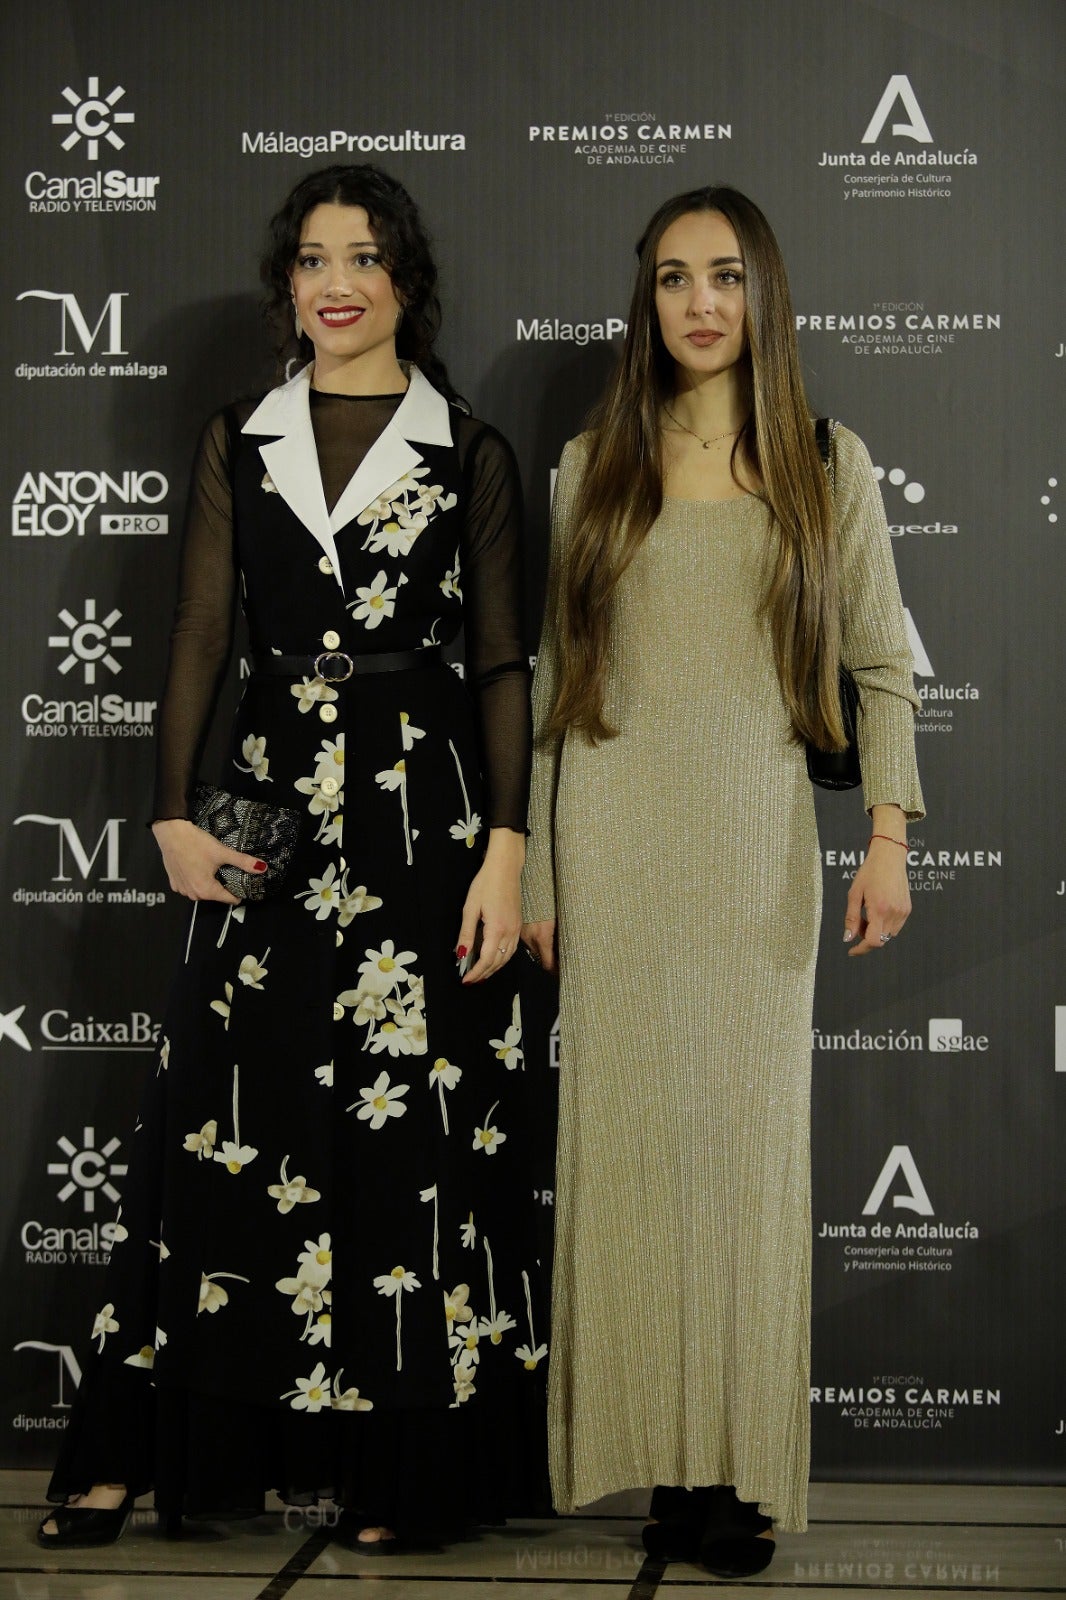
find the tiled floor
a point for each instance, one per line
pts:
(864, 1540)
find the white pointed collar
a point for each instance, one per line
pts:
(422, 414)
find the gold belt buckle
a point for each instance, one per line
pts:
(333, 655)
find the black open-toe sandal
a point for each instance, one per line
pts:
(730, 1546)
(78, 1527)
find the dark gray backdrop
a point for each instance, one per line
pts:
(910, 155)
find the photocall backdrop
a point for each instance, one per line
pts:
(909, 154)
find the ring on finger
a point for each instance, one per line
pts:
(885, 937)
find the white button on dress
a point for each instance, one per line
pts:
(327, 713)
(331, 640)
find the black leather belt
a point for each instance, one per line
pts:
(336, 666)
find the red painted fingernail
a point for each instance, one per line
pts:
(260, 866)
(461, 951)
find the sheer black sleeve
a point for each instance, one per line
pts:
(202, 633)
(497, 664)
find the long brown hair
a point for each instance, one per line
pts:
(622, 490)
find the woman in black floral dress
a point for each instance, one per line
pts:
(324, 1280)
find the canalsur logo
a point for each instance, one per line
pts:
(630, 138)
(904, 1401)
(900, 328)
(78, 334)
(78, 501)
(878, 1240)
(85, 873)
(87, 1169)
(88, 655)
(89, 127)
(897, 157)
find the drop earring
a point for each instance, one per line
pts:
(296, 320)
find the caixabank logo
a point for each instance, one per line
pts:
(900, 328)
(92, 127)
(70, 864)
(77, 501)
(630, 138)
(64, 328)
(62, 1031)
(879, 1239)
(88, 651)
(896, 157)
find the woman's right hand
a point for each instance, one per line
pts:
(539, 938)
(192, 856)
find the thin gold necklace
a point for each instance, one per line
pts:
(706, 443)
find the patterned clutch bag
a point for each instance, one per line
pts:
(261, 830)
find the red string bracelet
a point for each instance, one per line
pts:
(887, 836)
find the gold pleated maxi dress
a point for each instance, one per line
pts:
(681, 860)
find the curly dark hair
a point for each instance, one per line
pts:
(405, 252)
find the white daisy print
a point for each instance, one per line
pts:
(396, 1283)
(355, 902)
(463, 1342)
(468, 1233)
(488, 1138)
(233, 1154)
(530, 1354)
(397, 536)
(409, 734)
(426, 1196)
(455, 1305)
(463, 1384)
(508, 1049)
(494, 1328)
(164, 1056)
(312, 692)
(348, 1399)
(257, 761)
(310, 1394)
(202, 1144)
(104, 1324)
(320, 1330)
(449, 584)
(252, 971)
(144, 1357)
(394, 780)
(289, 1192)
(322, 894)
(380, 1101)
(324, 1075)
(375, 603)
(444, 1074)
(223, 1006)
(212, 1294)
(469, 825)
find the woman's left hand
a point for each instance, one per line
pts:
(494, 901)
(880, 899)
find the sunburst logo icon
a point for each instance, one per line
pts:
(88, 1169)
(89, 641)
(93, 118)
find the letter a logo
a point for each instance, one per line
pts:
(899, 88)
(899, 1160)
(922, 664)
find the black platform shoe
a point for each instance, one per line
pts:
(78, 1527)
(730, 1546)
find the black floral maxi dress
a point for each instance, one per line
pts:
(324, 1280)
